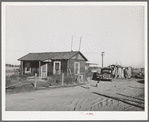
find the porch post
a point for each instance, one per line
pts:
(31, 68)
(22, 67)
(68, 70)
(46, 69)
(39, 68)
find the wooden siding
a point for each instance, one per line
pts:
(71, 65)
(64, 66)
(78, 57)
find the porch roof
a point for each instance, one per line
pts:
(50, 55)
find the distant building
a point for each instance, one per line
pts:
(91, 68)
(49, 63)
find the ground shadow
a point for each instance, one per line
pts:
(104, 80)
(93, 85)
(84, 87)
(122, 100)
(136, 87)
(141, 81)
(130, 96)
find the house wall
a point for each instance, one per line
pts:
(78, 57)
(63, 66)
(70, 66)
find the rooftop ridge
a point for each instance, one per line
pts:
(54, 52)
(51, 55)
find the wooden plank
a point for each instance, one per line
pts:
(62, 79)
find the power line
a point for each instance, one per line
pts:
(102, 54)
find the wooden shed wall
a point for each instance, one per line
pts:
(64, 66)
(71, 65)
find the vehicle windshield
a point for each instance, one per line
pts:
(105, 70)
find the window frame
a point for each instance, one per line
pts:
(54, 72)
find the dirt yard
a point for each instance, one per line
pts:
(119, 95)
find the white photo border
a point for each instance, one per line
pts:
(66, 115)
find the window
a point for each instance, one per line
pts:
(57, 67)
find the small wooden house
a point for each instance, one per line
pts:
(50, 63)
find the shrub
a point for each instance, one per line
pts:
(17, 77)
(70, 79)
(57, 79)
(54, 79)
(8, 81)
(22, 77)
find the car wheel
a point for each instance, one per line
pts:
(106, 76)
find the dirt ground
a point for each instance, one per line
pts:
(119, 95)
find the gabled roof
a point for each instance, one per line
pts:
(50, 55)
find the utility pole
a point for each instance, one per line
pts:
(102, 54)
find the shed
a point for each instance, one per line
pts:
(51, 63)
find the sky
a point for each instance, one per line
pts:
(116, 30)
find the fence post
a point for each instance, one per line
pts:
(35, 84)
(62, 79)
(70, 73)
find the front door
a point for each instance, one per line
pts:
(44, 70)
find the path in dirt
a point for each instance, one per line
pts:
(119, 95)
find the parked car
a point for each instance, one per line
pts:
(104, 75)
(96, 76)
